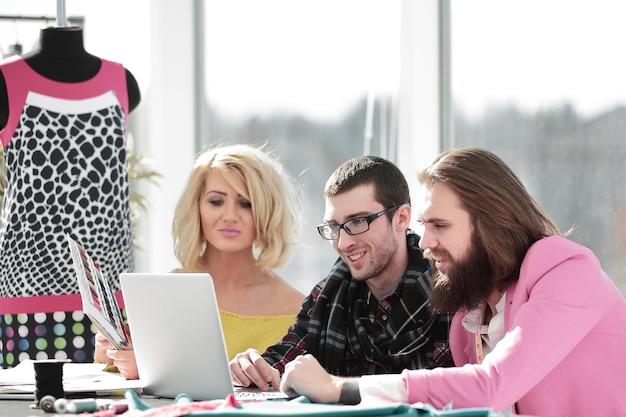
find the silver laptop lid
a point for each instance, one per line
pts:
(177, 334)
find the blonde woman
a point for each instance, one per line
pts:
(237, 219)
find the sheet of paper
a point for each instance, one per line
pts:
(19, 382)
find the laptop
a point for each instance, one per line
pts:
(177, 336)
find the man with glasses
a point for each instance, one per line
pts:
(370, 315)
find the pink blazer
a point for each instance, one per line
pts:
(564, 351)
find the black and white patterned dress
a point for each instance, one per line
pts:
(65, 150)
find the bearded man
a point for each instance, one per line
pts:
(538, 329)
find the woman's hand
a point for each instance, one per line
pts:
(102, 345)
(125, 361)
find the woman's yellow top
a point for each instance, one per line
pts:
(258, 332)
(244, 332)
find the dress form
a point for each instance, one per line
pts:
(63, 115)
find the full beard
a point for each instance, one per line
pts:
(467, 284)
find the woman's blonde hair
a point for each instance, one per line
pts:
(274, 196)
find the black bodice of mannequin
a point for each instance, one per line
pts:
(62, 57)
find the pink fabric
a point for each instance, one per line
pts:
(47, 303)
(564, 352)
(111, 77)
(171, 410)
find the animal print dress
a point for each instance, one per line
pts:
(65, 150)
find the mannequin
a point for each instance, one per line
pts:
(62, 57)
(63, 125)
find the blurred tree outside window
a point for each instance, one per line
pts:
(315, 81)
(550, 99)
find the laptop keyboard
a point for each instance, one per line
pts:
(247, 394)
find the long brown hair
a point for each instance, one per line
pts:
(506, 218)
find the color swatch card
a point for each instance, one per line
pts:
(99, 303)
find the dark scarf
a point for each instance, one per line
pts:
(345, 341)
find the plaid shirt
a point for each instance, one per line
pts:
(353, 334)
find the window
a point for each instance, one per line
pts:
(541, 84)
(315, 80)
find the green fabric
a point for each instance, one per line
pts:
(299, 407)
(303, 408)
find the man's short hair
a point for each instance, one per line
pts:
(390, 185)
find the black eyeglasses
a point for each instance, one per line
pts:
(354, 226)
